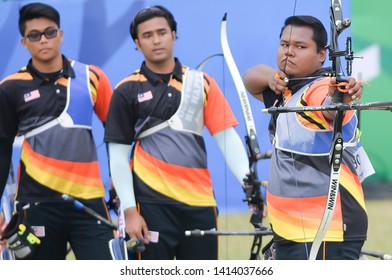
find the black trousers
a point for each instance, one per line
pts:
(347, 250)
(60, 223)
(169, 223)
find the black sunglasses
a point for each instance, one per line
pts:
(35, 36)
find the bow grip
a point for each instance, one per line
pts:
(339, 92)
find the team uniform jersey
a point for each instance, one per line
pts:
(169, 165)
(54, 113)
(300, 173)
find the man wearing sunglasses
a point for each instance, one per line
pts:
(51, 102)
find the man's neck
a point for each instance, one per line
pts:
(161, 68)
(48, 66)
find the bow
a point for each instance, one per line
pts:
(254, 155)
(336, 154)
(255, 197)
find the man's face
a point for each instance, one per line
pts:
(156, 41)
(297, 53)
(44, 50)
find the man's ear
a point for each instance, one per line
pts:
(174, 35)
(23, 42)
(137, 44)
(322, 55)
(61, 34)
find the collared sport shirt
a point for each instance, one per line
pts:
(169, 166)
(29, 99)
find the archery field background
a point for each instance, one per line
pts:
(96, 32)
(371, 38)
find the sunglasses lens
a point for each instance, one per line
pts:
(51, 33)
(34, 36)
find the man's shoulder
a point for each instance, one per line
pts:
(16, 77)
(131, 80)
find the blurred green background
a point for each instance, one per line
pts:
(371, 23)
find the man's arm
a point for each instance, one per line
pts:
(5, 163)
(236, 158)
(234, 152)
(256, 80)
(262, 77)
(101, 83)
(5, 155)
(121, 174)
(122, 179)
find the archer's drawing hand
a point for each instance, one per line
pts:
(136, 226)
(276, 82)
(351, 88)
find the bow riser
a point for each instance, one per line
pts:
(336, 153)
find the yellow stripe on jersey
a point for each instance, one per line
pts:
(45, 172)
(352, 184)
(166, 179)
(299, 222)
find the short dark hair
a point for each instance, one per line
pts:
(37, 10)
(149, 13)
(320, 35)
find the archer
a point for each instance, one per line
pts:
(305, 179)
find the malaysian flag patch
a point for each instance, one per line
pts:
(142, 97)
(31, 95)
(39, 231)
(153, 236)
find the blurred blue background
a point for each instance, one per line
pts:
(96, 32)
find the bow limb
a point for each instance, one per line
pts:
(336, 153)
(246, 108)
(250, 139)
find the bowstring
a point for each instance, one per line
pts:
(226, 173)
(291, 151)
